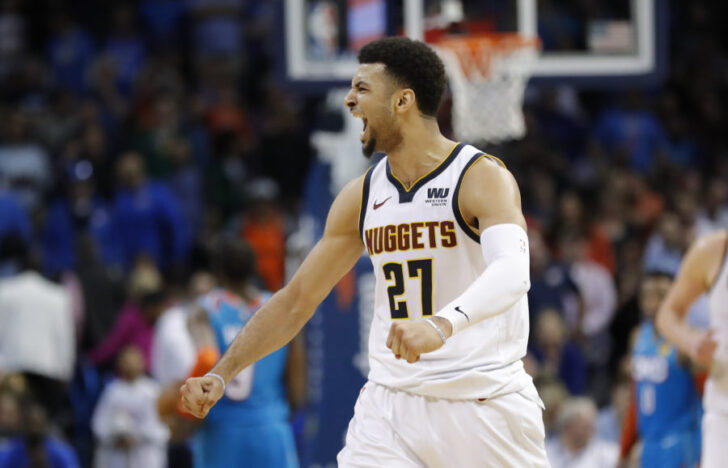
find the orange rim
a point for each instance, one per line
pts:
(477, 50)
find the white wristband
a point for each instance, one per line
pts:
(437, 329)
(217, 376)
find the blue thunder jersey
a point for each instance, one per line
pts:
(668, 404)
(257, 394)
(249, 426)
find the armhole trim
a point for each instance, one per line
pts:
(456, 199)
(364, 200)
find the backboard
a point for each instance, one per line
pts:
(597, 44)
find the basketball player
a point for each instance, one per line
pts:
(704, 270)
(665, 408)
(442, 224)
(250, 422)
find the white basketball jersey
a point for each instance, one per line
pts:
(424, 256)
(716, 387)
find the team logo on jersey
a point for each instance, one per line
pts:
(379, 205)
(437, 196)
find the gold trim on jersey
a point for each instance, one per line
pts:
(406, 189)
(456, 196)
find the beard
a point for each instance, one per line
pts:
(382, 138)
(368, 148)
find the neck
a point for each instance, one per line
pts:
(422, 148)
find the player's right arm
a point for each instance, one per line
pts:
(697, 273)
(283, 316)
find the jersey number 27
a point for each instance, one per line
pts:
(394, 271)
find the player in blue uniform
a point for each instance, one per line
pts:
(666, 401)
(250, 425)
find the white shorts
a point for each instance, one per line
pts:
(396, 429)
(715, 435)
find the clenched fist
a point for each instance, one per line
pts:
(199, 394)
(408, 340)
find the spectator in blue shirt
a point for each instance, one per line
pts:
(634, 131)
(14, 223)
(81, 212)
(126, 48)
(24, 164)
(70, 52)
(665, 247)
(552, 286)
(147, 217)
(13, 218)
(557, 355)
(162, 19)
(36, 447)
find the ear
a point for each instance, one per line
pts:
(404, 100)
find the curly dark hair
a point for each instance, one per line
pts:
(414, 64)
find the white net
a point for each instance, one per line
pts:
(488, 76)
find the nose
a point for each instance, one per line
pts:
(349, 100)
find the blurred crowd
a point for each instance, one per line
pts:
(136, 132)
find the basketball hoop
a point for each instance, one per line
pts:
(488, 75)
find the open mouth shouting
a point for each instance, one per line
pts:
(364, 135)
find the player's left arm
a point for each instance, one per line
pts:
(490, 203)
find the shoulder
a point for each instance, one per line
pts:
(706, 256)
(712, 244)
(349, 199)
(347, 207)
(353, 190)
(489, 174)
(489, 194)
